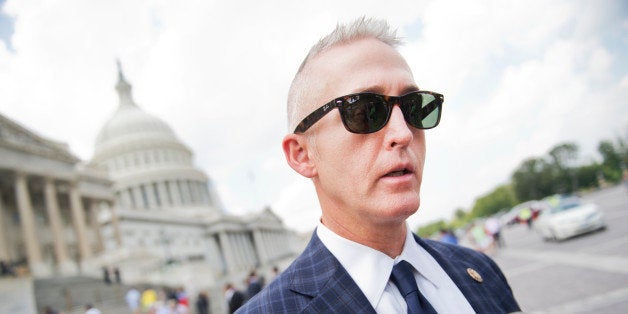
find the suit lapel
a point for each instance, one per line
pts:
(323, 278)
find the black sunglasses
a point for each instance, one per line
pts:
(365, 113)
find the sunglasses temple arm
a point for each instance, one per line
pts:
(314, 117)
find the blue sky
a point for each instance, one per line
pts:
(6, 27)
(518, 78)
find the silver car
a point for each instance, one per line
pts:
(566, 217)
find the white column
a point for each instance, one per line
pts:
(285, 242)
(228, 251)
(245, 253)
(125, 199)
(214, 257)
(66, 266)
(27, 221)
(202, 199)
(4, 247)
(268, 245)
(185, 191)
(150, 195)
(137, 196)
(166, 200)
(274, 244)
(236, 250)
(94, 209)
(250, 247)
(115, 223)
(190, 187)
(78, 217)
(174, 190)
(259, 246)
(205, 191)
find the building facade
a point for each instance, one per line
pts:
(139, 205)
(49, 205)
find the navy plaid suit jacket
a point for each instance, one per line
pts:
(317, 283)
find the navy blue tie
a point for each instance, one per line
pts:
(403, 278)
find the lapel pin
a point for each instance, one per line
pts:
(474, 274)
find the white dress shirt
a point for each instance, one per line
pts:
(371, 269)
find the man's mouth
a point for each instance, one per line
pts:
(398, 173)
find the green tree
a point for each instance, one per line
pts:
(612, 161)
(587, 175)
(533, 180)
(460, 213)
(493, 202)
(431, 229)
(562, 158)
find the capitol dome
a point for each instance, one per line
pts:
(131, 122)
(151, 168)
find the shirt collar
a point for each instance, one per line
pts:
(419, 258)
(370, 269)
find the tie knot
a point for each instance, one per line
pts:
(403, 277)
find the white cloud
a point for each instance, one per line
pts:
(518, 77)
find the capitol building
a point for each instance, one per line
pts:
(139, 205)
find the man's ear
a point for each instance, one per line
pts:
(297, 151)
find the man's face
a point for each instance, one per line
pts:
(364, 178)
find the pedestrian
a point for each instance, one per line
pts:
(6, 269)
(202, 303)
(366, 161)
(275, 273)
(525, 215)
(148, 298)
(448, 236)
(132, 298)
(234, 298)
(90, 309)
(116, 275)
(494, 228)
(105, 275)
(254, 285)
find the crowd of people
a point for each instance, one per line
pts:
(164, 301)
(484, 236)
(177, 301)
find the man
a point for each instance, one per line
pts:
(254, 284)
(365, 153)
(233, 297)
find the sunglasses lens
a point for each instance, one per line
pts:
(364, 113)
(422, 110)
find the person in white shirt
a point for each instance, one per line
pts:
(90, 309)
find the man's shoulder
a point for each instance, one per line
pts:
(295, 287)
(279, 296)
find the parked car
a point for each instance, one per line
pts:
(513, 216)
(568, 217)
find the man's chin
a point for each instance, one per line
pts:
(401, 209)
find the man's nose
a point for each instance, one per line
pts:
(397, 130)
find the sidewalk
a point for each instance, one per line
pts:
(16, 296)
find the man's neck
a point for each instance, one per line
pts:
(386, 238)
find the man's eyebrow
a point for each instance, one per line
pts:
(377, 89)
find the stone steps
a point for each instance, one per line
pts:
(71, 294)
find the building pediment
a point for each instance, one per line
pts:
(17, 137)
